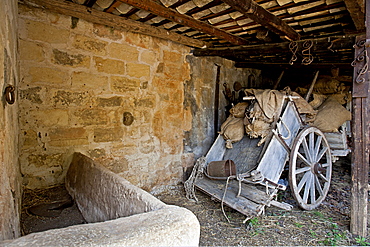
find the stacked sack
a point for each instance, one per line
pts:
(233, 128)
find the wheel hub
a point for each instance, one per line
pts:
(318, 169)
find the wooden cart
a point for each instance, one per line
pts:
(259, 169)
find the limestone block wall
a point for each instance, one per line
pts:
(143, 104)
(111, 95)
(10, 192)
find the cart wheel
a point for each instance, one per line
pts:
(310, 168)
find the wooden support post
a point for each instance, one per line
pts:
(360, 167)
(360, 135)
(217, 99)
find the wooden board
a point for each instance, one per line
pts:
(274, 158)
(244, 153)
(251, 202)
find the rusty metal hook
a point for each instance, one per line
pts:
(9, 94)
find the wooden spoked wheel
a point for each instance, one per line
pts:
(310, 168)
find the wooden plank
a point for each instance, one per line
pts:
(356, 13)
(320, 45)
(217, 150)
(361, 140)
(119, 23)
(360, 167)
(271, 168)
(244, 153)
(265, 18)
(215, 189)
(285, 64)
(185, 20)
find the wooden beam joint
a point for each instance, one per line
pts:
(260, 15)
(157, 9)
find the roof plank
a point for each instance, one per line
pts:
(120, 23)
(185, 20)
(260, 15)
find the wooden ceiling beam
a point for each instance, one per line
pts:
(323, 44)
(265, 18)
(157, 9)
(357, 14)
(264, 65)
(119, 23)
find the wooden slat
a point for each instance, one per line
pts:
(263, 17)
(123, 24)
(356, 13)
(215, 189)
(185, 20)
(112, 7)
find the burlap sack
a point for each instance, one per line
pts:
(303, 106)
(331, 115)
(232, 130)
(342, 98)
(258, 128)
(239, 109)
(328, 85)
(317, 101)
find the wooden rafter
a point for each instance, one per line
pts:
(185, 20)
(119, 23)
(321, 44)
(265, 18)
(357, 14)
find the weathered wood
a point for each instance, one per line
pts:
(312, 86)
(278, 80)
(310, 168)
(356, 13)
(215, 189)
(174, 16)
(112, 7)
(274, 157)
(320, 45)
(285, 64)
(217, 100)
(360, 166)
(360, 139)
(260, 15)
(120, 23)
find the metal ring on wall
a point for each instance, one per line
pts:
(9, 94)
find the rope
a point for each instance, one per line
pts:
(195, 173)
(223, 198)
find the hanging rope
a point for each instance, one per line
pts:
(195, 173)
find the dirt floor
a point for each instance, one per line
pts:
(48, 209)
(327, 225)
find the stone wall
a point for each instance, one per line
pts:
(130, 99)
(10, 191)
(111, 95)
(200, 100)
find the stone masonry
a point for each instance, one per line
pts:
(125, 98)
(110, 95)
